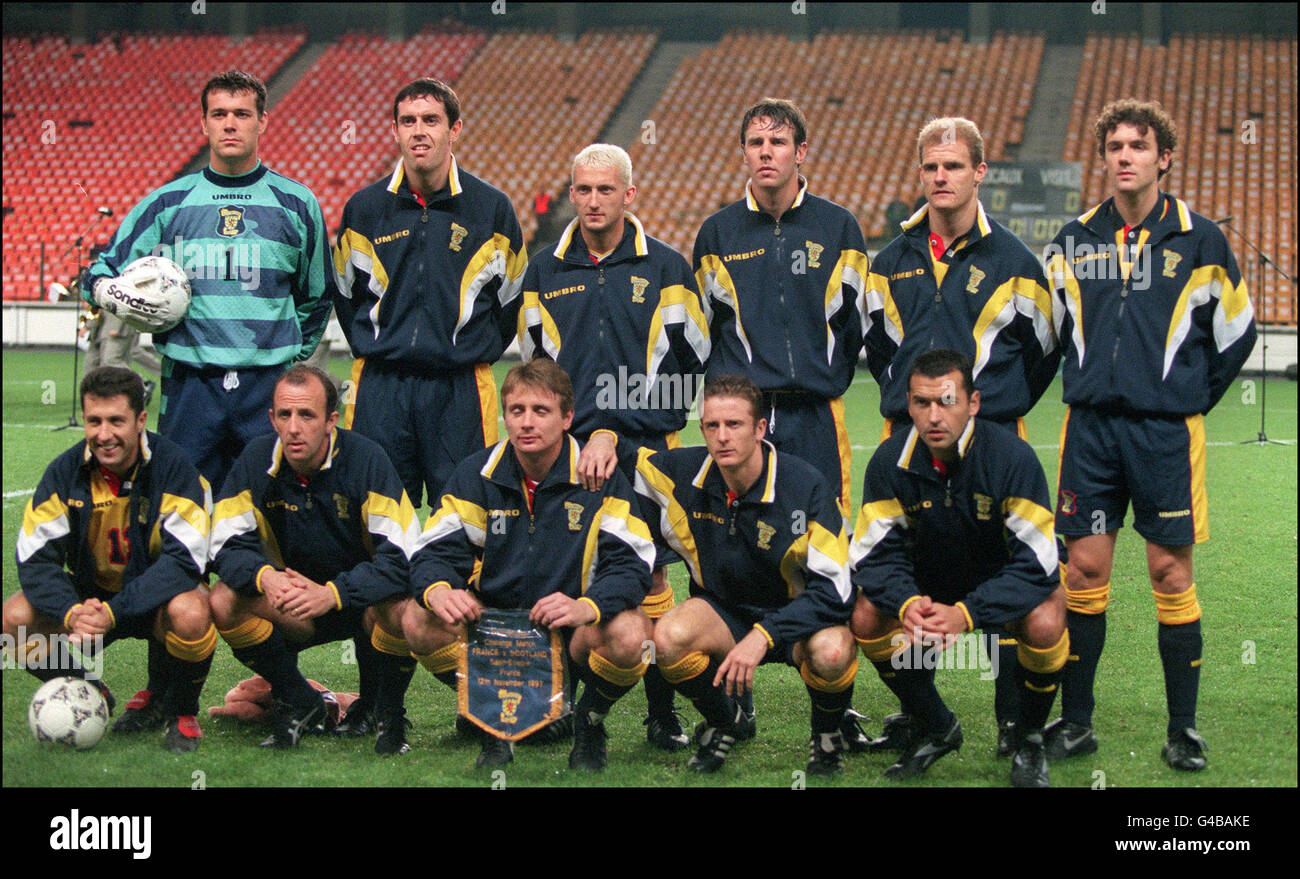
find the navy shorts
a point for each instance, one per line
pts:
(426, 422)
(213, 412)
(334, 625)
(132, 627)
(812, 428)
(1108, 459)
(740, 621)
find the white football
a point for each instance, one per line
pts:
(152, 294)
(69, 711)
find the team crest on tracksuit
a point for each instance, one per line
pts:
(575, 515)
(638, 289)
(976, 276)
(1171, 263)
(458, 233)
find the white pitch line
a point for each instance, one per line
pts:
(14, 494)
(1285, 442)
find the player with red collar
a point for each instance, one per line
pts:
(1156, 323)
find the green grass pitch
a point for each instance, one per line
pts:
(1246, 579)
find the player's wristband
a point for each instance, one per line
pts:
(424, 598)
(585, 600)
(902, 610)
(112, 618)
(607, 432)
(970, 623)
(338, 600)
(76, 606)
(257, 579)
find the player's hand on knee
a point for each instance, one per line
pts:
(736, 674)
(455, 606)
(558, 609)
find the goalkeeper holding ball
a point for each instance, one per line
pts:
(252, 244)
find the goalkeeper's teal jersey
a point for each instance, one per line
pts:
(254, 249)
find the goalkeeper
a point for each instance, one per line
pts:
(253, 246)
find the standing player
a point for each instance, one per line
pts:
(253, 246)
(113, 543)
(764, 542)
(429, 263)
(957, 279)
(1140, 373)
(606, 301)
(516, 529)
(780, 274)
(955, 532)
(313, 549)
(428, 266)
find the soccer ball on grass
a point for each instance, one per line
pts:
(69, 711)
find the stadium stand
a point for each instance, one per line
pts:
(532, 99)
(1233, 99)
(100, 125)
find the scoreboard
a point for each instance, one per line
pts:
(1033, 199)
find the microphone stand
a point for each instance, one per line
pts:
(1263, 260)
(76, 323)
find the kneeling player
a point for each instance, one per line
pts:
(310, 539)
(578, 560)
(956, 533)
(765, 546)
(113, 543)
